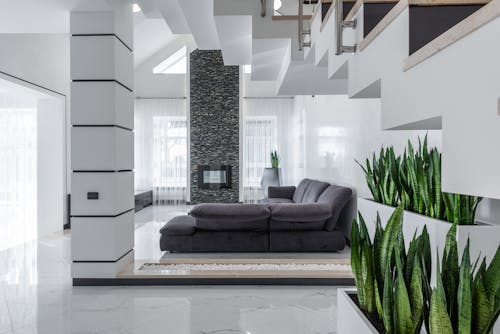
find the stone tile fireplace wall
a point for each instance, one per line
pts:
(214, 123)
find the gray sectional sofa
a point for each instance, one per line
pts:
(292, 219)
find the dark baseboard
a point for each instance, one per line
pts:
(212, 281)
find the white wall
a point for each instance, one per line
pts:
(339, 130)
(42, 59)
(51, 165)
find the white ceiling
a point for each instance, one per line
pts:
(43, 16)
(150, 36)
(199, 15)
(52, 17)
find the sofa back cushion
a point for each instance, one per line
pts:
(299, 217)
(313, 191)
(336, 197)
(231, 217)
(301, 190)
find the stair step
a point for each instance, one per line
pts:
(428, 22)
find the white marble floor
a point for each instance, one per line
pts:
(36, 296)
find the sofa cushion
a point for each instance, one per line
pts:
(336, 197)
(231, 217)
(180, 225)
(313, 191)
(299, 217)
(300, 191)
(281, 192)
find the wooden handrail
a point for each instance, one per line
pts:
(290, 17)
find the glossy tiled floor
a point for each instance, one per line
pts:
(36, 296)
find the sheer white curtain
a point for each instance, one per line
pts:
(266, 127)
(161, 149)
(18, 170)
(260, 139)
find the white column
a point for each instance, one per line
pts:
(102, 157)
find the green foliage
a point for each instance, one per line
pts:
(379, 271)
(394, 284)
(468, 299)
(275, 159)
(414, 180)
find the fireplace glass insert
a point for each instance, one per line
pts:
(214, 177)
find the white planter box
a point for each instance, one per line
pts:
(484, 238)
(350, 319)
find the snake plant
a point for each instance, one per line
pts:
(393, 284)
(389, 280)
(467, 298)
(414, 180)
(275, 159)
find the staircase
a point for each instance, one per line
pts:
(433, 63)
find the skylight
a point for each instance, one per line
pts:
(136, 8)
(174, 64)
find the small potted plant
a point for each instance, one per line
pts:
(272, 176)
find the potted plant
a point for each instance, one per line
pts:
(414, 181)
(272, 176)
(393, 289)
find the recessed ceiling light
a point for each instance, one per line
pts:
(136, 8)
(277, 4)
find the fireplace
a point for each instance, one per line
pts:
(214, 177)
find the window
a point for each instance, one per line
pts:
(174, 64)
(260, 138)
(18, 175)
(169, 151)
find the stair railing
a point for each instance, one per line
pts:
(340, 24)
(302, 32)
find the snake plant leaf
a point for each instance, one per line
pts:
(483, 309)
(388, 301)
(439, 322)
(363, 231)
(410, 258)
(377, 260)
(464, 294)
(356, 262)
(378, 299)
(492, 275)
(368, 279)
(493, 319)
(389, 238)
(403, 311)
(436, 166)
(451, 272)
(426, 282)
(416, 296)
(425, 251)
